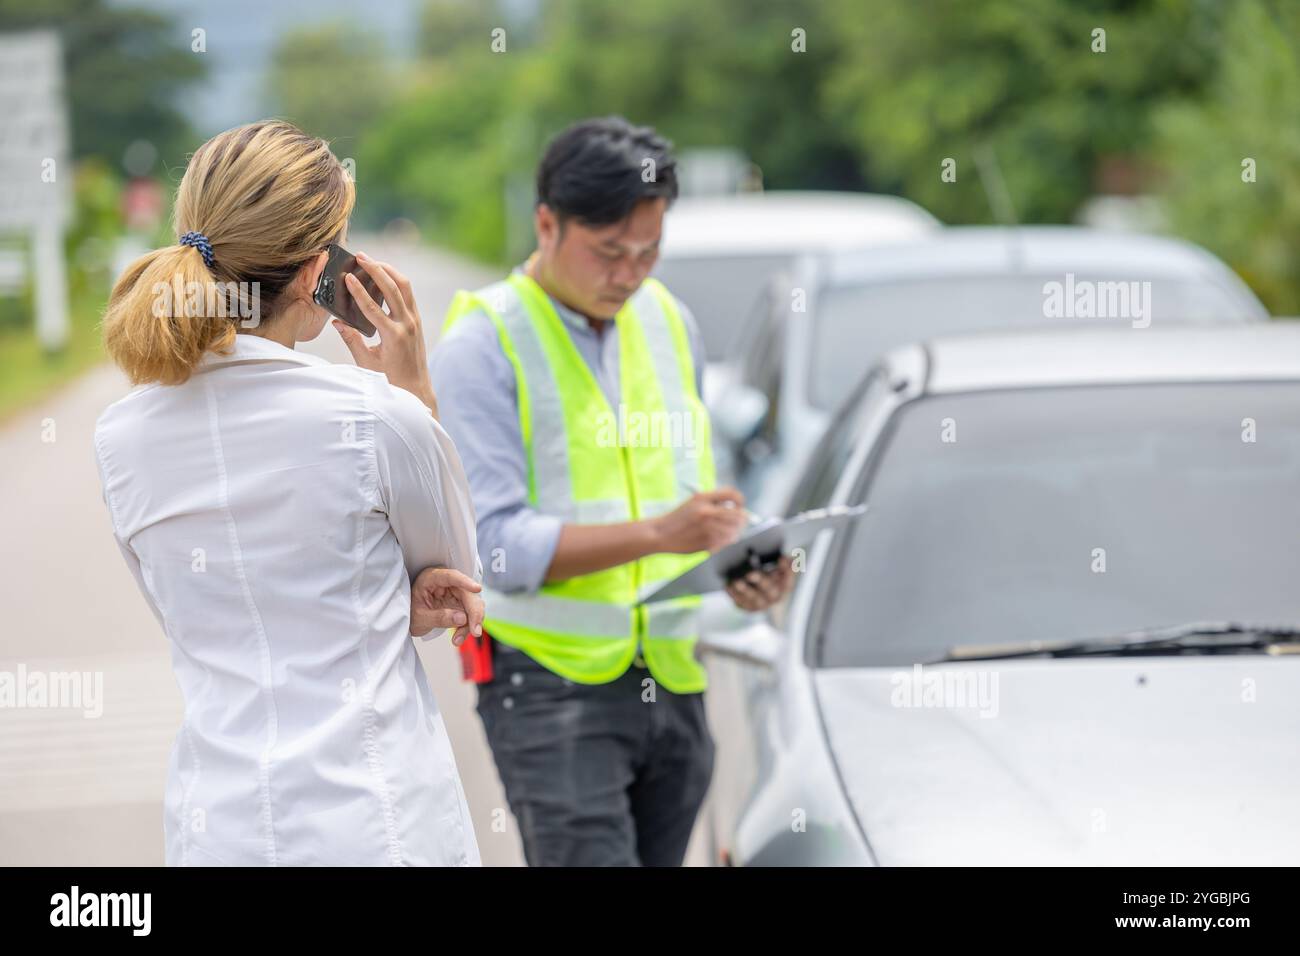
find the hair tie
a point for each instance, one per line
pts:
(200, 242)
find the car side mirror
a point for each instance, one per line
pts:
(739, 414)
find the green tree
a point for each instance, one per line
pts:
(1245, 128)
(458, 150)
(723, 73)
(332, 80)
(445, 147)
(926, 80)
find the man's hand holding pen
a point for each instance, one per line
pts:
(711, 520)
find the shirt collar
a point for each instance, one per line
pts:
(255, 348)
(574, 320)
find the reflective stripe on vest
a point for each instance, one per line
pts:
(589, 463)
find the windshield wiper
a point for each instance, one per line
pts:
(1204, 637)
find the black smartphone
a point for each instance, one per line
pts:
(332, 292)
(753, 561)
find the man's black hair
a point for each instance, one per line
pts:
(597, 170)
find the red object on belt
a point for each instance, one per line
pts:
(476, 658)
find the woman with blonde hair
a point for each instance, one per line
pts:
(275, 510)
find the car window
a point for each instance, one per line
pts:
(827, 463)
(1070, 513)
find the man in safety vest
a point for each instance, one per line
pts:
(572, 390)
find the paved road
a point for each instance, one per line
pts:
(82, 790)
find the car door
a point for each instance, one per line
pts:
(741, 691)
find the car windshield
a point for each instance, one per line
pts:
(721, 291)
(855, 325)
(1071, 513)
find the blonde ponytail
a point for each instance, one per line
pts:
(266, 198)
(156, 328)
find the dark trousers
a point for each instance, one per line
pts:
(596, 775)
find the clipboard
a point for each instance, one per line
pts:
(761, 544)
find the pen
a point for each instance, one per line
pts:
(749, 515)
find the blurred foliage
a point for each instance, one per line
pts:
(883, 94)
(27, 372)
(1249, 113)
(442, 154)
(96, 226)
(922, 81)
(469, 134)
(124, 66)
(332, 79)
(16, 310)
(124, 70)
(885, 91)
(89, 241)
(721, 73)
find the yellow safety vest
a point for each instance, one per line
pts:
(589, 463)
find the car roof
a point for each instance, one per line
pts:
(789, 223)
(1028, 250)
(1047, 358)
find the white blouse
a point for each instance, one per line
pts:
(273, 509)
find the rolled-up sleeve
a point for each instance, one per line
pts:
(476, 389)
(422, 486)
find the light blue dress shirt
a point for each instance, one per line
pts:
(477, 405)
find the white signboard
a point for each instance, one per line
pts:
(35, 176)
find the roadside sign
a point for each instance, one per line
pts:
(35, 176)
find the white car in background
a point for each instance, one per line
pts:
(720, 254)
(798, 366)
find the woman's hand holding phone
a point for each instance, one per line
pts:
(400, 354)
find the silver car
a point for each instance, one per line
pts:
(836, 313)
(1062, 633)
(720, 252)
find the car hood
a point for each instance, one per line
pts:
(1159, 761)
